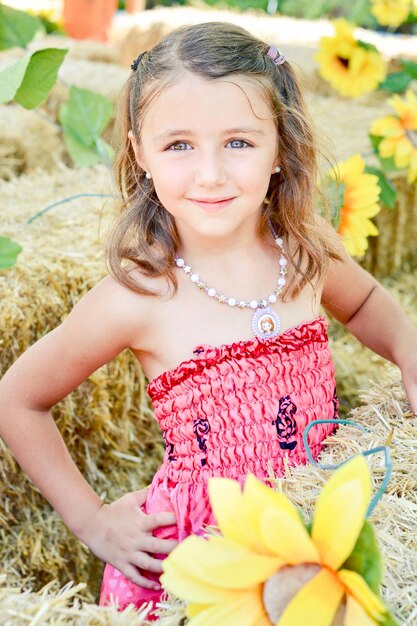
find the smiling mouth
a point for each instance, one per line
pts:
(211, 200)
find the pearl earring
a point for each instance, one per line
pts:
(148, 175)
(277, 169)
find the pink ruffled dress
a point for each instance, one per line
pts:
(232, 410)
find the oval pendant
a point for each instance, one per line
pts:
(265, 323)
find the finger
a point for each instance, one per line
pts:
(147, 563)
(154, 520)
(154, 545)
(140, 496)
(131, 572)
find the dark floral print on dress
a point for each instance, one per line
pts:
(170, 448)
(285, 424)
(201, 428)
(335, 405)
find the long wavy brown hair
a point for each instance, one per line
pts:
(216, 50)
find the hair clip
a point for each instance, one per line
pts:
(384, 449)
(275, 55)
(136, 62)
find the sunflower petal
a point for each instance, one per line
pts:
(194, 609)
(222, 563)
(355, 615)
(316, 603)
(247, 610)
(188, 587)
(358, 588)
(340, 511)
(287, 538)
(257, 497)
(226, 499)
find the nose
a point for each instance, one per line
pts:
(210, 171)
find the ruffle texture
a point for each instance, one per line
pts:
(232, 410)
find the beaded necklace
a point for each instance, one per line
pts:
(265, 322)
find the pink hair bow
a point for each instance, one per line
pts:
(275, 55)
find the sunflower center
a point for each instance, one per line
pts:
(343, 61)
(280, 589)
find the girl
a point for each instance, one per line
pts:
(217, 168)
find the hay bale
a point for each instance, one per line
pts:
(138, 39)
(356, 365)
(59, 607)
(395, 248)
(104, 78)
(77, 48)
(347, 124)
(384, 407)
(28, 142)
(106, 423)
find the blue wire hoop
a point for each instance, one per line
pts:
(384, 449)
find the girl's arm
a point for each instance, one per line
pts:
(94, 332)
(105, 321)
(356, 299)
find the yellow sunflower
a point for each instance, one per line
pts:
(391, 12)
(358, 204)
(226, 580)
(399, 133)
(351, 66)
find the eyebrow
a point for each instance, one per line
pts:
(247, 130)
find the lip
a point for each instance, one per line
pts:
(212, 204)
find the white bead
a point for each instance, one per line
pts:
(272, 298)
(195, 278)
(180, 262)
(283, 262)
(231, 302)
(211, 292)
(281, 282)
(253, 304)
(279, 241)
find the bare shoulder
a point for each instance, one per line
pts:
(347, 284)
(108, 300)
(121, 310)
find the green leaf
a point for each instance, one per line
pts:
(86, 114)
(410, 67)
(30, 79)
(396, 82)
(9, 251)
(389, 621)
(40, 76)
(17, 28)
(82, 155)
(366, 46)
(11, 78)
(388, 165)
(388, 192)
(105, 150)
(366, 558)
(83, 118)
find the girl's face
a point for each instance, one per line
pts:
(211, 147)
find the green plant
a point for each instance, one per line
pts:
(28, 82)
